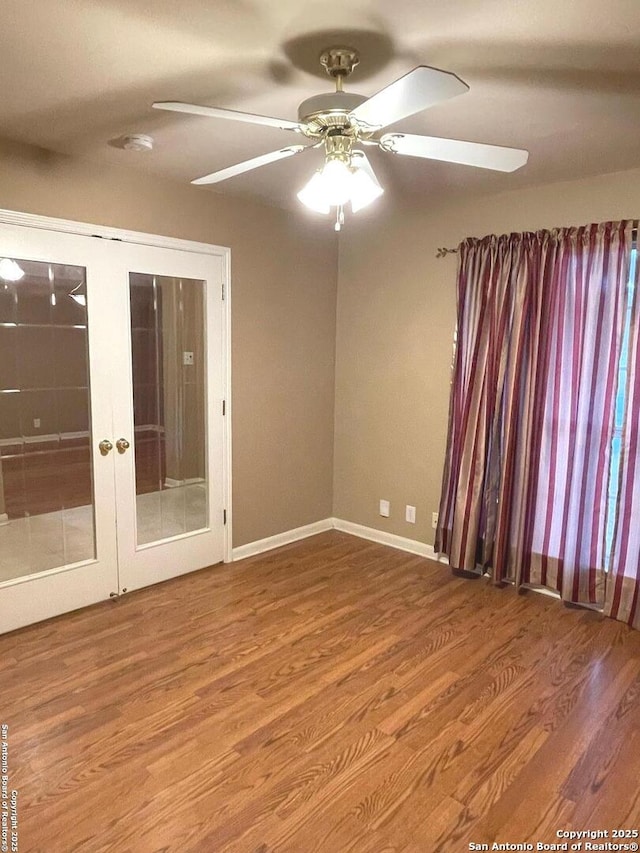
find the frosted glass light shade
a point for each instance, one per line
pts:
(364, 188)
(329, 187)
(312, 194)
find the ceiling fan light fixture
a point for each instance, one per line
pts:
(339, 183)
(79, 298)
(10, 270)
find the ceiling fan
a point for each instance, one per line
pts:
(341, 121)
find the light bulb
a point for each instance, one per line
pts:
(336, 182)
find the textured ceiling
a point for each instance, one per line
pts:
(561, 79)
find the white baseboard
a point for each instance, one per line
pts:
(4, 518)
(412, 546)
(262, 545)
(390, 539)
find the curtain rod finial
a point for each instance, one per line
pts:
(442, 252)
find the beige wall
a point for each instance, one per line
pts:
(283, 318)
(396, 316)
(393, 345)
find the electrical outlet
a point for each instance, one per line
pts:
(410, 514)
(36, 423)
(187, 358)
(385, 508)
(434, 520)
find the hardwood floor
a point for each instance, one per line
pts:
(335, 696)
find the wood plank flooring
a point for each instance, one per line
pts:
(333, 696)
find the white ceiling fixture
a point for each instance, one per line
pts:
(339, 122)
(133, 142)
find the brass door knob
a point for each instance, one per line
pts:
(123, 445)
(105, 446)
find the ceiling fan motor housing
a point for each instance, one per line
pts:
(329, 110)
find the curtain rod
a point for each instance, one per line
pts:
(443, 251)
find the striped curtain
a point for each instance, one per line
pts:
(540, 328)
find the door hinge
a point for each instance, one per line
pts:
(224, 407)
(223, 291)
(224, 516)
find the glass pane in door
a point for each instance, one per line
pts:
(46, 475)
(169, 376)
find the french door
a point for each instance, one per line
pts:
(113, 471)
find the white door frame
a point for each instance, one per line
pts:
(47, 223)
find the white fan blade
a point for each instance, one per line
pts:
(456, 151)
(232, 115)
(421, 88)
(248, 165)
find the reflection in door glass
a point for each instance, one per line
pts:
(46, 478)
(167, 342)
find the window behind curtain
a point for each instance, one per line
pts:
(621, 405)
